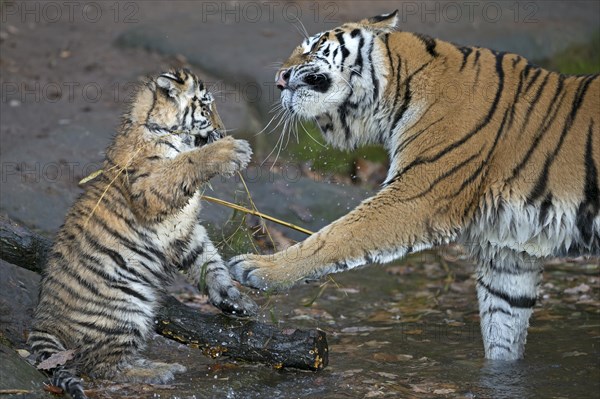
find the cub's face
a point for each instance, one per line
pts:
(182, 105)
(327, 69)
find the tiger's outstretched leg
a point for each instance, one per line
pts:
(202, 256)
(365, 235)
(507, 287)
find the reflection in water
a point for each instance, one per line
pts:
(504, 379)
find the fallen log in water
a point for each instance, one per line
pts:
(215, 335)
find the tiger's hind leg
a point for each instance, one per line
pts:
(65, 378)
(507, 290)
(149, 372)
(45, 344)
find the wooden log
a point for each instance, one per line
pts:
(22, 247)
(215, 335)
(219, 335)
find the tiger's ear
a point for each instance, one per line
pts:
(382, 23)
(170, 83)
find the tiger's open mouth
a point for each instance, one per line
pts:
(211, 137)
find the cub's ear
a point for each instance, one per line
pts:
(170, 82)
(382, 23)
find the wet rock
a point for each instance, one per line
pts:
(17, 374)
(18, 297)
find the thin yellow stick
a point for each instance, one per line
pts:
(14, 391)
(255, 213)
(256, 209)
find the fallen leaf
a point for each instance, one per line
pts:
(375, 344)
(444, 391)
(388, 375)
(351, 372)
(53, 389)
(57, 359)
(360, 329)
(23, 352)
(580, 289)
(422, 388)
(349, 290)
(574, 354)
(310, 314)
(391, 357)
(383, 315)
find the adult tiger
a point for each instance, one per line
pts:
(485, 148)
(131, 230)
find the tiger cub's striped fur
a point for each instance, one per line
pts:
(486, 149)
(131, 230)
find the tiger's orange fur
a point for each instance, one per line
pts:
(485, 148)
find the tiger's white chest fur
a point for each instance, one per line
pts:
(178, 225)
(525, 228)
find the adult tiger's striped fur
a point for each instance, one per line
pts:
(485, 149)
(131, 230)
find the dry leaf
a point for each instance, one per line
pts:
(361, 329)
(391, 357)
(580, 289)
(574, 354)
(444, 391)
(56, 360)
(53, 389)
(388, 375)
(310, 314)
(23, 352)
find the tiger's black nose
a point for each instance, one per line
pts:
(282, 78)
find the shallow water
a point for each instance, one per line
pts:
(408, 330)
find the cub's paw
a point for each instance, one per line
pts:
(231, 301)
(259, 272)
(230, 155)
(243, 153)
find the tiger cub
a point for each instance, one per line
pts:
(485, 149)
(131, 230)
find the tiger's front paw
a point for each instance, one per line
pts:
(242, 153)
(259, 272)
(231, 301)
(231, 155)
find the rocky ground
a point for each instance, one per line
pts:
(66, 72)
